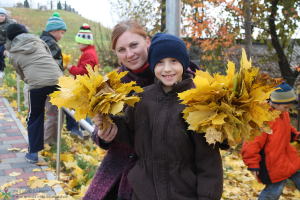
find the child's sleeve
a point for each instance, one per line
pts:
(209, 170)
(81, 67)
(126, 127)
(250, 152)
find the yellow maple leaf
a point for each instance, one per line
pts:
(66, 59)
(14, 174)
(36, 170)
(14, 103)
(14, 149)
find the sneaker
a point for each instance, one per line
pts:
(86, 135)
(32, 157)
(76, 134)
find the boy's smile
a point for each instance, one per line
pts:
(168, 71)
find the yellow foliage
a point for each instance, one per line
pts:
(232, 106)
(66, 59)
(93, 93)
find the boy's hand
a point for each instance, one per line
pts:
(108, 134)
(68, 67)
(5, 53)
(255, 173)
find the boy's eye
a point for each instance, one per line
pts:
(174, 60)
(159, 61)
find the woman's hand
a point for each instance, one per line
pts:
(108, 134)
(68, 67)
(255, 173)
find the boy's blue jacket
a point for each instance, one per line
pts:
(272, 154)
(174, 163)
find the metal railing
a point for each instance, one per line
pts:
(82, 122)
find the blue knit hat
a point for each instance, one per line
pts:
(283, 95)
(3, 12)
(55, 23)
(167, 46)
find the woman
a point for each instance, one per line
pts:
(131, 44)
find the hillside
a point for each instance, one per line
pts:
(35, 21)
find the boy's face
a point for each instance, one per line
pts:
(82, 46)
(57, 34)
(132, 50)
(282, 107)
(168, 71)
(2, 18)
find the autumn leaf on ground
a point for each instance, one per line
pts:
(47, 147)
(41, 163)
(14, 103)
(36, 183)
(91, 94)
(232, 106)
(24, 150)
(36, 170)
(14, 149)
(14, 174)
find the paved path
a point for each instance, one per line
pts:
(14, 135)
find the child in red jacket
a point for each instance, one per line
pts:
(84, 39)
(271, 158)
(85, 42)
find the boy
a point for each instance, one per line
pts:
(53, 33)
(174, 162)
(32, 60)
(4, 23)
(271, 158)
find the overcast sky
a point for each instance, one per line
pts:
(96, 10)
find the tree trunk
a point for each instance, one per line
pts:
(283, 62)
(163, 16)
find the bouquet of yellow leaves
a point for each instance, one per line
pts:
(93, 93)
(232, 106)
(66, 59)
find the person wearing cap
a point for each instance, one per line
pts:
(32, 60)
(84, 39)
(53, 33)
(270, 157)
(173, 162)
(4, 23)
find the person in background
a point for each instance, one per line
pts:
(271, 158)
(32, 60)
(85, 41)
(53, 33)
(4, 23)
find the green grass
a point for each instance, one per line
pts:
(35, 21)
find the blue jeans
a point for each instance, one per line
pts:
(35, 118)
(2, 62)
(274, 190)
(71, 123)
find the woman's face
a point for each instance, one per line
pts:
(132, 50)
